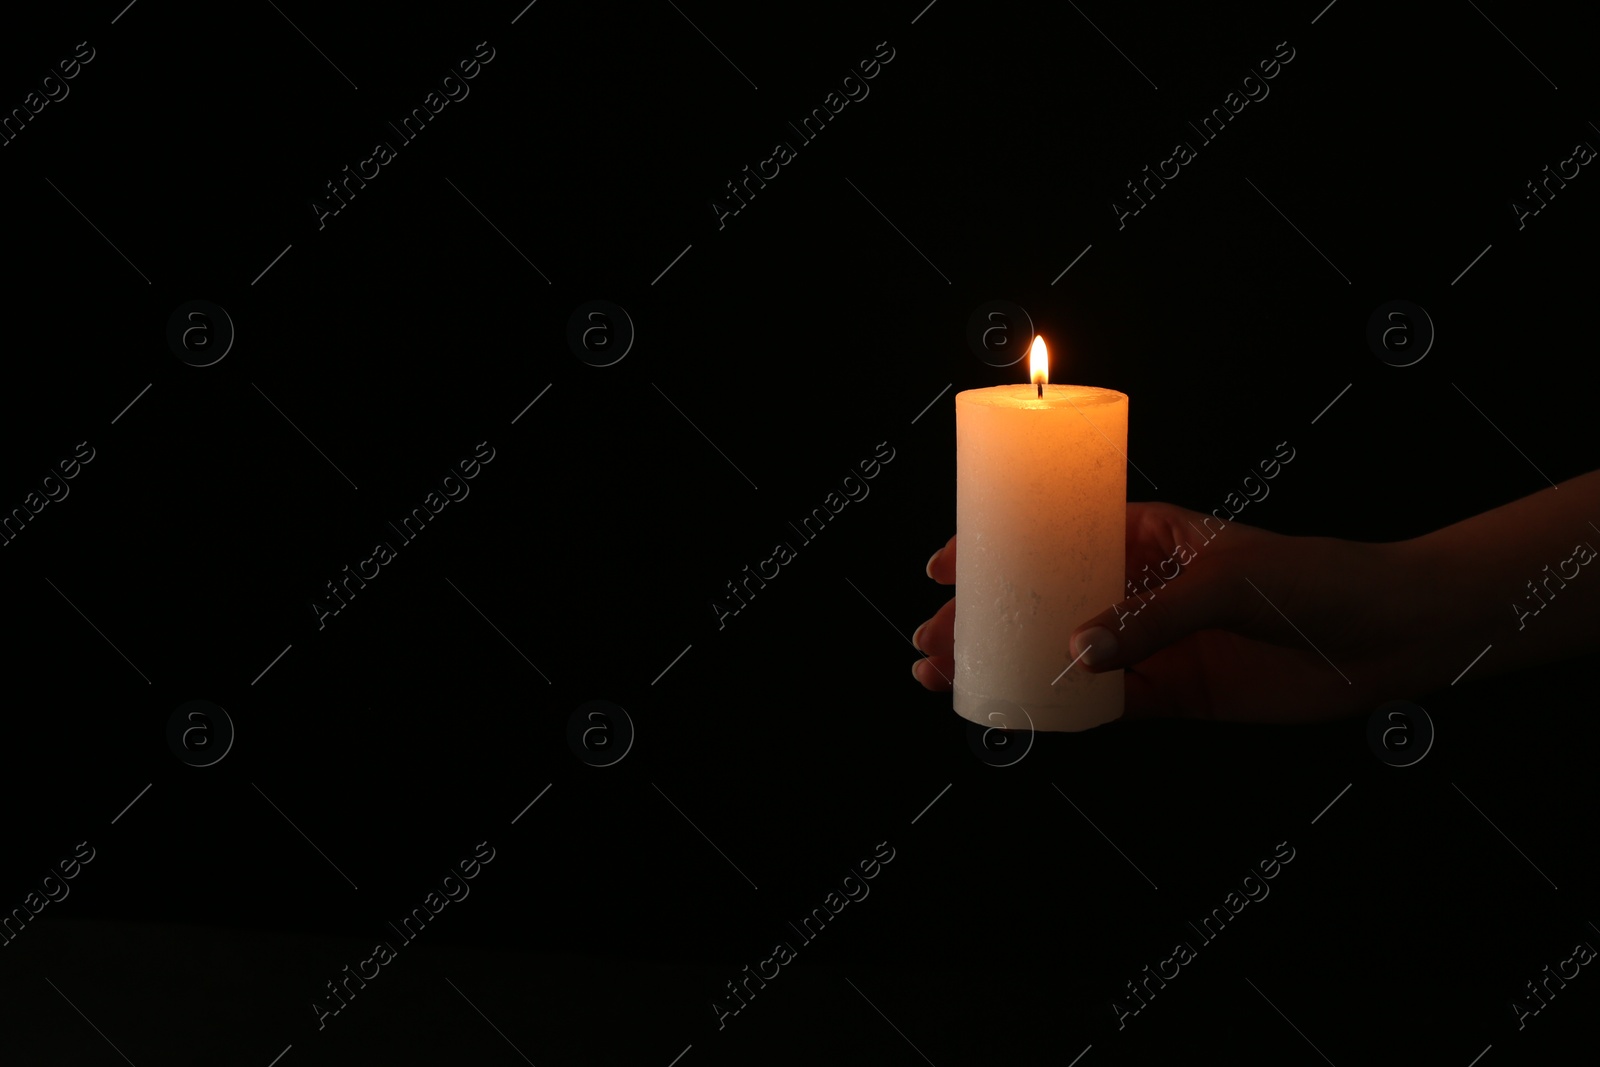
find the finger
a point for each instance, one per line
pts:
(942, 564)
(934, 673)
(1142, 625)
(1140, 700)
(1152, 534)
(937, 636)
(1147, 693)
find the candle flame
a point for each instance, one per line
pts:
(1039, 362)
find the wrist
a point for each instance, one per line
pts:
(1443, 625)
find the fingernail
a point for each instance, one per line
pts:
(916, 642)
(914, 672)
(931, 560)
(1095, 646)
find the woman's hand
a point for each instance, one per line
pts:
(1250, 626)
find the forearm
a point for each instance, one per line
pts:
(1522, 580)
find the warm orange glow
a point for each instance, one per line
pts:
(1039, 362)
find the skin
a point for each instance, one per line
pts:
(1263, 627)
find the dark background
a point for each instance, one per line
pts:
(797, 337)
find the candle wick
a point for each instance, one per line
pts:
(1041, 390)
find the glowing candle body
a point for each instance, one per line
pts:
(1041, 513)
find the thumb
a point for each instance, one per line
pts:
(1142, 625)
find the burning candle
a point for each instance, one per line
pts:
(1041, 512)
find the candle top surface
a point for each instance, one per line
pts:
(1027, 396)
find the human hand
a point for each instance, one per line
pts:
(1250, 626)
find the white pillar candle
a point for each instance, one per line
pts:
(1041, 514)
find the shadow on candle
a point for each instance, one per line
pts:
(1002, 733)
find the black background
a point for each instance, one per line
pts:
(797, 337)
